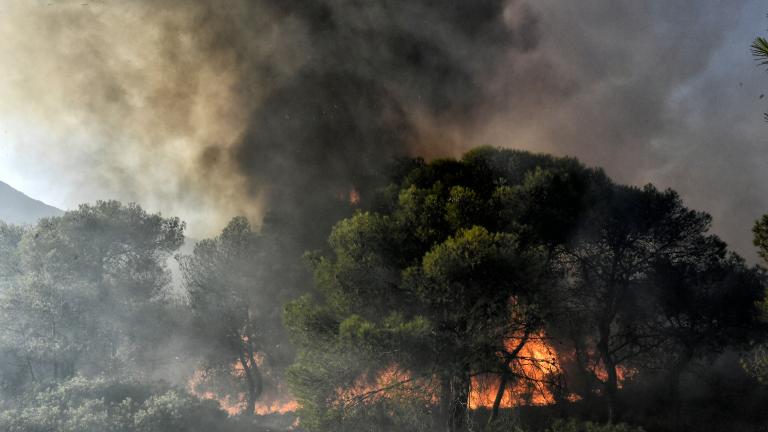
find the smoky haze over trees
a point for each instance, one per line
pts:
(467, 259)
(250, 90)
(430, 310)
(329, 126)
(365, 288)
(89, 284)
(236, 299)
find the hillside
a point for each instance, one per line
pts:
(17, 208)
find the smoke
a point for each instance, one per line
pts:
(207, 109)
(140, 100)
(372, 70)
(207, 105)
(653, 92)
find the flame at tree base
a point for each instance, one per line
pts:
(532, 377)
(233, 406)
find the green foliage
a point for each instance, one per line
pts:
(612, 300)
(10, 261)
(760, 50)
(435, 280)
(760, 231)
(756, 363)
(236, 296)
(100, 405)
(507, 421)
(573, 425)
(175, 410)
(425, 282)
(398, 412)
(89, 292)
(457, 259)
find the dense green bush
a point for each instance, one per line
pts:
(100, 405)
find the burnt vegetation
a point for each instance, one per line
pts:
(498, 291)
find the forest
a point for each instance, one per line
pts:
(500, 291)
(390, 216)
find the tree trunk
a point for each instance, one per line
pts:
(611, 383)
(506, 375)
(253, 381)
(444, 407)
(454, 401)
(499, 395)
(461, 403)
(31, 369)
(611, 388)
(588, 378)
(674, 382)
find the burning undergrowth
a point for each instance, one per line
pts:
(300, 115)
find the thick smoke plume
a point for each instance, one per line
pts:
(206, 108)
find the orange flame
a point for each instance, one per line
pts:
(391, 380)
(354, 197)
(622, 373)
(277, 407)
(536, 363)
(233, 406)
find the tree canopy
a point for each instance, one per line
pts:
(457, 292)
(454, 265)
(87, 300)
(236, 298)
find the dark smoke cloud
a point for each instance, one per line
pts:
(208, 108)
(653, 91)
(349, 108)
(225, 104)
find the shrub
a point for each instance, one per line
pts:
(100, 405)
(573, 425)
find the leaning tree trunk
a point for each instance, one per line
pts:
(506, 376)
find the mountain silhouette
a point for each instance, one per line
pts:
(17, 208)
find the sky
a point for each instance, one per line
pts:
(199, 109)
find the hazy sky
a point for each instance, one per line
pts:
(119, 99)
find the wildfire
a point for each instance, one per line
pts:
(533, 373)
(277, 407)
(232, 407)
(354, 197)
(537, 362)
(281, 404)
(392, 380)
(622, 374)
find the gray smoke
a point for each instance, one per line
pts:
(207, 108)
